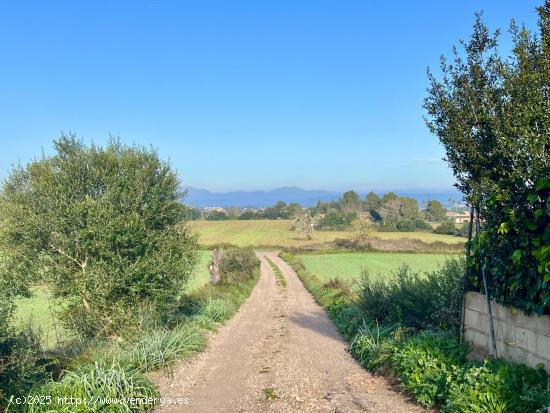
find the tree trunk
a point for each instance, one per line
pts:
(215, 266)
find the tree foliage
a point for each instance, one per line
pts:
(492, 115)
(435, 211)
(103, 228)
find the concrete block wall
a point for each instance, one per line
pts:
(520, 338)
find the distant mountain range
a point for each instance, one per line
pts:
(201, 198)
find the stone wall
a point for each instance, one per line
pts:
(520, 338)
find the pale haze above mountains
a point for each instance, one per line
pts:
(202, 198)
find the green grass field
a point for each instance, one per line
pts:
(277, 233)
(348, 266)
(38, 310)
(201, 275)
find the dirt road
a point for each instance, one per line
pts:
(280, 353)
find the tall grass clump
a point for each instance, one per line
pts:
(98, 387)
(214, 310)
(161, 348)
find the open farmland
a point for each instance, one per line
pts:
(278, 233)
(348, 266)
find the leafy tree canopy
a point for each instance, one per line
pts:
(103, 228)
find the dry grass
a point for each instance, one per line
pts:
(278, 233)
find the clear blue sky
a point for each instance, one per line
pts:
(239, 94)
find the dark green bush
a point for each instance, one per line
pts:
(514, 249)
(490, 113)
(498, 386)
(238, 264)
(23, 364)
(414, 300)
(217, 216)
(413, 224)
(336, 220)
(447, 228)
(427, 363)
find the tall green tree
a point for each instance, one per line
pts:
(350, 202)
(408, 208)
(103, 227)
(435, 211)
(492, 116)
(372, 201)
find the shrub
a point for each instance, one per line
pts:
(413, 224)
(238, 264)
(427, 363)
(217, 216)
(498, 386)
(432, 300)
(95, 383)
(102, 227)
(386, 227)
(447, 228)
(335, 220)
(23, 364)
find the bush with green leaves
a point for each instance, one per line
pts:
(415, 300)
(498, 386)
(103, 228)
(336, 220)
(427, 363)
(217, 216)
(413, 224)
(238, 264)
(23, 364)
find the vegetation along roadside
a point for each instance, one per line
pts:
(69, 222)
(407, 330)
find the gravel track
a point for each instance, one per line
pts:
(279, 353)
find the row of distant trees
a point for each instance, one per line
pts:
(389, 212)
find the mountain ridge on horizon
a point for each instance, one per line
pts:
(202, 198)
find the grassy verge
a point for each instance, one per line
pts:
(281, 280)
(116, 371)
(431, 365)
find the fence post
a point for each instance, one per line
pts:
(215, 266)
(464, 280)
(493, 345)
